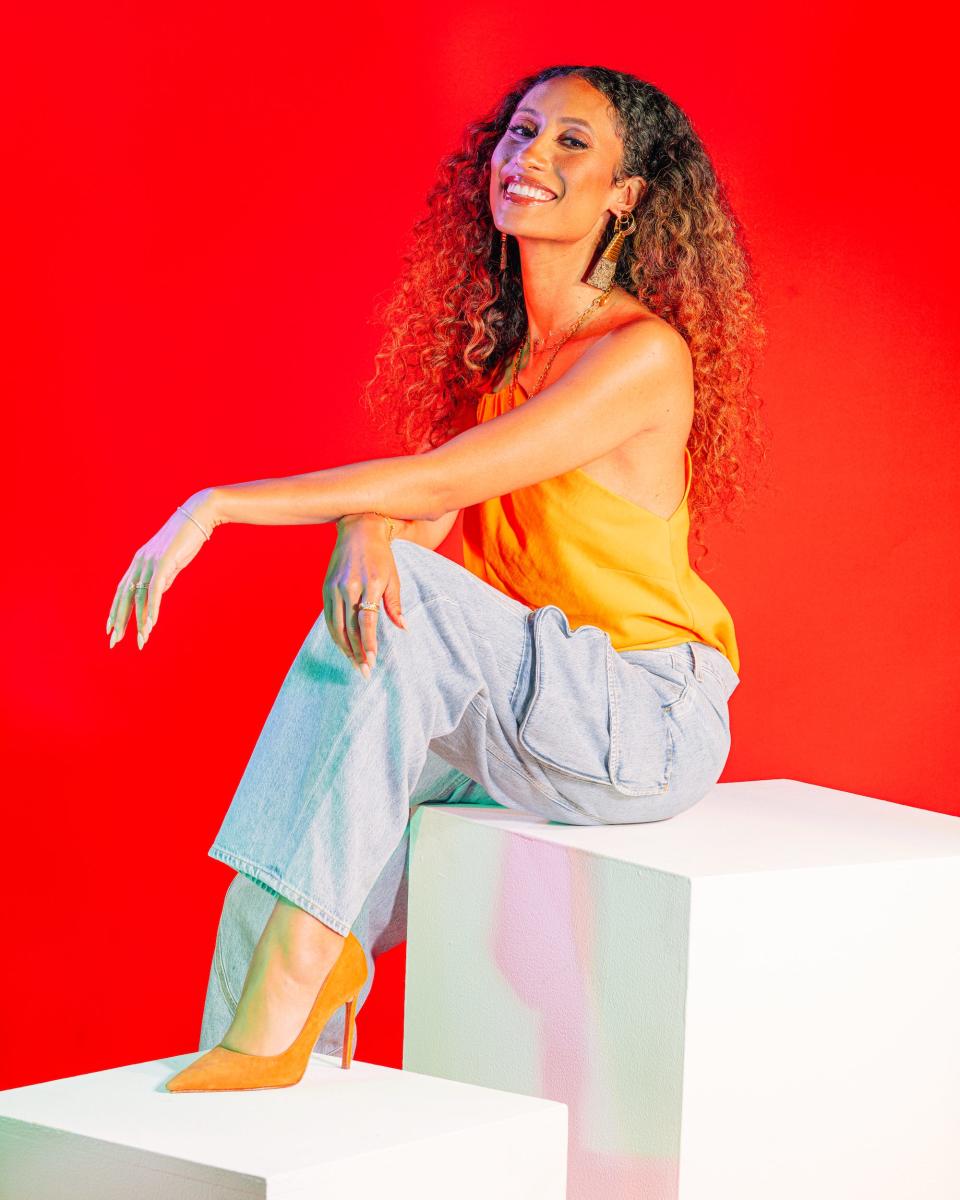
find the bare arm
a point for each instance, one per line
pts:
(621, 386)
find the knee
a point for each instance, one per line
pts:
(410, 556)
(419, 569)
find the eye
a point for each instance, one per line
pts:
(525, 129)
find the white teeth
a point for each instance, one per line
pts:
(523, 189)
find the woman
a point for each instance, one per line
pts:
(558, 378)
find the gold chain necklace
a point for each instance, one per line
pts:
(601, 299)
(542, 343)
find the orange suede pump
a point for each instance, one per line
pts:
(224, 1070)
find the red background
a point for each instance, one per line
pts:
(202, 206)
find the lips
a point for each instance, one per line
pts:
(544, 197)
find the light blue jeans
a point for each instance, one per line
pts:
(482, 700)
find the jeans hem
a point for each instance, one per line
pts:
(260, 874)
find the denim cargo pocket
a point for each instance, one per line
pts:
(591, 715)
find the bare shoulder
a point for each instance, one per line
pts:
(648, 351)
(649, 337)
(633, 331)
(632, 337)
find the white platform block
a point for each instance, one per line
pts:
(757, 999)
(359, 1134)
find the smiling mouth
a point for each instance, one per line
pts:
(526, 194)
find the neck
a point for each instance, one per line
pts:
(553, 289)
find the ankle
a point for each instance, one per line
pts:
(303, 963)
(300, 949)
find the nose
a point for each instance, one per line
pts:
(530, 159)
(531, 166)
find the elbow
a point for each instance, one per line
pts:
(440, 506)
(440, 499)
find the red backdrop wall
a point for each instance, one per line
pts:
(202, 206)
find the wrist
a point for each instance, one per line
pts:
(204, 507)
(390, 525)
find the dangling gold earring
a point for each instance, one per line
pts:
(503, 251)
(601, 277)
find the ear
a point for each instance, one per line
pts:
(630, 189)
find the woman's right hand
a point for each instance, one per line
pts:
(362, 567)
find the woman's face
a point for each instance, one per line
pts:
(560, 138)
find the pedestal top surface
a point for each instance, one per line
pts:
(757, 825)
(331, 1114)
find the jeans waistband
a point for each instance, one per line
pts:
(701, 658)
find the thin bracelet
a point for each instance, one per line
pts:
(194, 520)
(391, 524)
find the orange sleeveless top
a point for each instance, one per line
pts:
(604, 560)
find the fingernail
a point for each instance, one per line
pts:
(403, 621)
(139, 639)
(365, 671)
(371, 659)
(108, 624)
(148, 626)
(113, 638)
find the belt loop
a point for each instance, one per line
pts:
(721, 667)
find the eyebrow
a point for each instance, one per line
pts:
(568, 120)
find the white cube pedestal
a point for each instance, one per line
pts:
(755, 1000)
(360, 1134)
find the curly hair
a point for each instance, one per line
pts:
(454, 318)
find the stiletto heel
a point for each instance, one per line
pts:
(347, 1057)
(224, 1070)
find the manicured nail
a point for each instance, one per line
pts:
(371, 659)
(139, 639)
(148, 626)
(403, 622)
(113, 638)
(365, 671)
(108, 624)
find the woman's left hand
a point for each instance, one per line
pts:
(155, 566)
